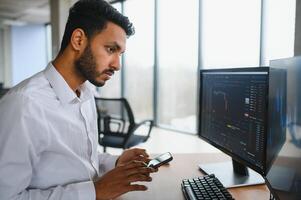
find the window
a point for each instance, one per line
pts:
(231, 36)
(230, 33)
(139, 58)
(279, 29)
(177, 63)
(48, 42)
(28, 56)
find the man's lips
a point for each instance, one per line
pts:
(109, 72)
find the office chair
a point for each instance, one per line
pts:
(3, 91)
(116, 124)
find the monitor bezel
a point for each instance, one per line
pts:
(234, 156)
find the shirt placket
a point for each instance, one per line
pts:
(89, 131)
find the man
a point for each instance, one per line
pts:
(48, 129)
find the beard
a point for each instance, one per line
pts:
(86, 66)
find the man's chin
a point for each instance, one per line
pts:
(97, 83)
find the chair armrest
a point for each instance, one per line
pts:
(144, 122)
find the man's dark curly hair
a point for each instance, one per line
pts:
(92, 17)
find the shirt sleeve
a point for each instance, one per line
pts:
(106, 162)
(23, 138)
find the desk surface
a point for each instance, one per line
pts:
(166, 182)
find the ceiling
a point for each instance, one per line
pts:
(20, 12)
(17, 12)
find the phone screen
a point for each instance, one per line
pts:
(160, 160)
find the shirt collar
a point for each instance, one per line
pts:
(61, 88)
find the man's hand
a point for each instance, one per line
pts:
(133, 154)
(119, 180)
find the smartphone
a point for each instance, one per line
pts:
(160, 160)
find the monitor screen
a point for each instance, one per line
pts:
(234, 115)
(284, 176)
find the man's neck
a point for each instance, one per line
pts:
(64, 64)
(77, 92)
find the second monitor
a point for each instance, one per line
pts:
(234, 117)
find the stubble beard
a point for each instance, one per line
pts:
(86, 66)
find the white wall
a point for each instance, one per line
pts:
(28, 51)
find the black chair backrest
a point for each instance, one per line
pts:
(3, 91)
(117, 109)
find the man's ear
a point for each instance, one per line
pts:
(78, 40)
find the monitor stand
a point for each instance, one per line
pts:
(233, 174)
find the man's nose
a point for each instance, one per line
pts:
(116, 63)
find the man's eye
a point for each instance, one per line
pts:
(111, 49)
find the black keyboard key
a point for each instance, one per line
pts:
(207, 187)
(190, 193)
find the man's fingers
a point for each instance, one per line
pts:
(142, 159)
(145, 171)
(141, 152)
(139, 177)
(155, 170)
(136, 187)
(138, 164)
(134, 164)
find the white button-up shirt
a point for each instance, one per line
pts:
(48, 141)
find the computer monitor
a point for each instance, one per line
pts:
(234, 117)
(284, 176)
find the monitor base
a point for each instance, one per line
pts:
(224, 172)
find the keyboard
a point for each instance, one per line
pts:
(207, 187)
